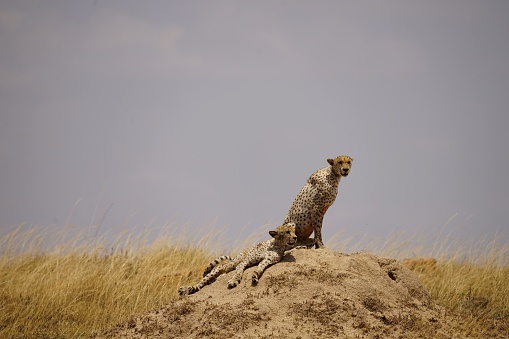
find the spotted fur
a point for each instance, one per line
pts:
(264, 254)
(313, 200)
(216, 262)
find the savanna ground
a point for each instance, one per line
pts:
(74, 288)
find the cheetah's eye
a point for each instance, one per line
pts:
(349, 162)
(340, 162)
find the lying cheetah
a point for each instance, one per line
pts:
(264, 254)
(313, 200)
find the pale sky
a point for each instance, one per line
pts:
(213, 114)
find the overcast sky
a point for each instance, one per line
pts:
(213, 114)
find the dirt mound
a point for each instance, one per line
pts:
(310, 294)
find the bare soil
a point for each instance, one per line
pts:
(310, 294)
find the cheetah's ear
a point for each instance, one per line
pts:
(272, 233)
(330, 161)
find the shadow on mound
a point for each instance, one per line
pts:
(310, 294)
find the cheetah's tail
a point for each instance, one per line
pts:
(186, 290)
(216, 262)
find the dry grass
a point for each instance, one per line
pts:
(469, 280)
(70, 292)
(73, 290)
(477, 290)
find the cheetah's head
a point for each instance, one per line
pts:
(285, 235)
(341, 165)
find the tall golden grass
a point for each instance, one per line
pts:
(476, 287)
(73, 288)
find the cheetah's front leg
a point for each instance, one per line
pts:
(237, 277)
(318, 234)
(261, 268)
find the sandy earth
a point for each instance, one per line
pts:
(310, 294)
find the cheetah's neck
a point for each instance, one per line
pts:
(276, 246)
(333, 175)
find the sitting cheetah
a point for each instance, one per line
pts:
(264, 254)
(313, 200)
